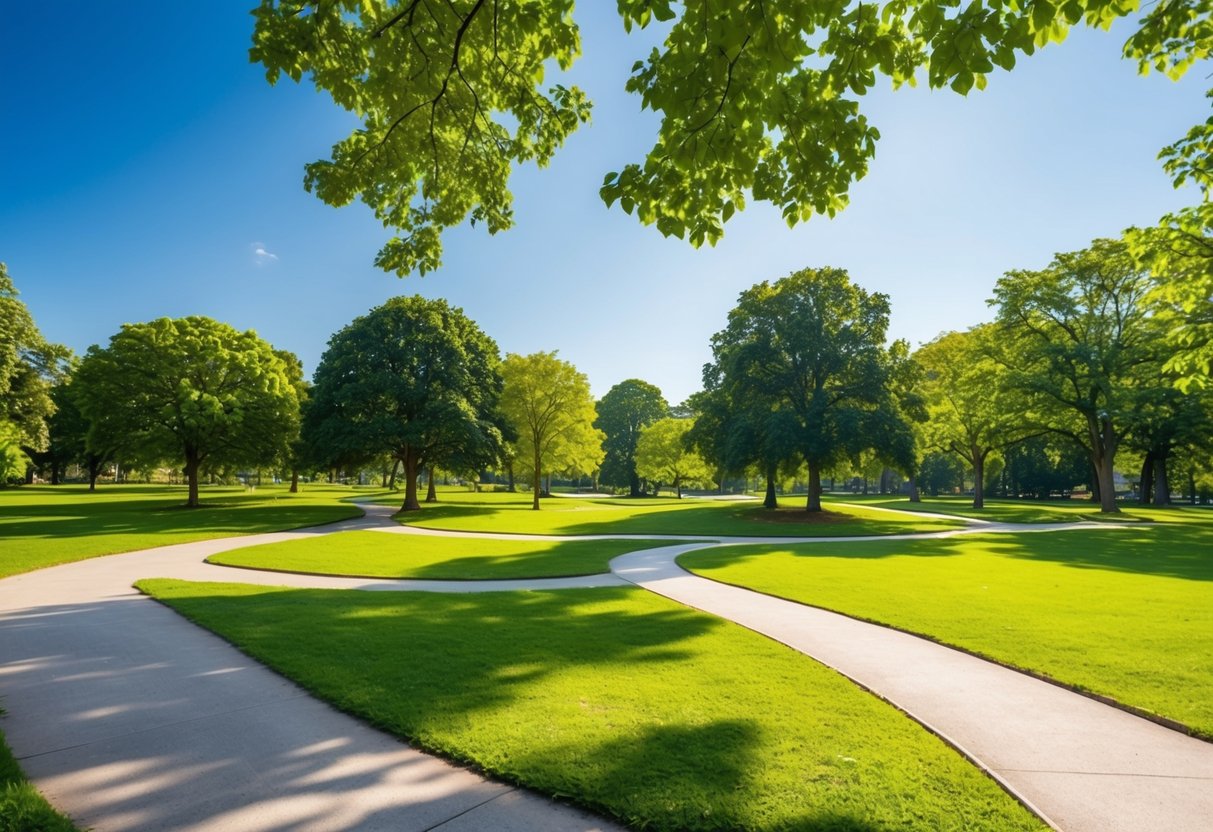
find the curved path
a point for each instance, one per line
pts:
(128, 717)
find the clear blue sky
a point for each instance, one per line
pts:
(143, 161)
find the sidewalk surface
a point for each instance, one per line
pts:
(129, 718)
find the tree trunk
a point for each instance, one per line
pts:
(391, 481)
(770, 501)
(94, 471)
(410, 481)
(979, 478)
(1192, 484)
(431, 493)
(294, 480)
(1147, 479)
(634, 484)
(536, 479)
(1107, 485)
(915, 497)
(678, 487)
(509, 475)
(1162, 486)
(813, 503)
(191, 476)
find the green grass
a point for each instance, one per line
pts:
(45, 525)
(998, 511)
(502, 512)
(663, 717)
(381, 555)
(22, 809)
(1125, 612)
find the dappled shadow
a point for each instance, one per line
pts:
(126, 738)
(669, 517)
(1177, 550)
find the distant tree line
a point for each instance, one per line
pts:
(1090, 367)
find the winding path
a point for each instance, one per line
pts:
(130, 718)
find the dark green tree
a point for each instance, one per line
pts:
(812, 345)
(414, 378)
(625, 410)
(1073, 338)
(190, 389)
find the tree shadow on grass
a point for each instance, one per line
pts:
(1175, 550)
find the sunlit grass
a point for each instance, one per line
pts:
(1126, 612)
(22, 809)
(502, 512)
(1010, 511)
(663, 717)
(45, 525)
(380, 555)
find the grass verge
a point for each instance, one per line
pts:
(47, 525)
(22, 809)
(502, 512)
(1123, 612)
(365, 554)
(616, 699)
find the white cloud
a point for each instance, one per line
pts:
(262, 255)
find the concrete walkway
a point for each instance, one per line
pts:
(127, 717)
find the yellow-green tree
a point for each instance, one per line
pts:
(664, 455)
(548, 403)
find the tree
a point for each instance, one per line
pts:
(192, 389)
(967, 408)
(663, 455)
(29, 368)
(812, 345)
(625, 410)
(13, 460)
(414, 378)
(758, 99)
(548, 403)
(1073, 336)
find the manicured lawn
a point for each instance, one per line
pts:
(661, 716)
(501, 512)
(44, 525)
(381, 555)
(22, 809)
(998, 511)
(1126, 611)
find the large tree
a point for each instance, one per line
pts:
(756, 99)
(191, 389)
(812, 345)
(664, 455)
(30, 367)
(1073, 337)
(414, 378)
(625, 410)
(548, 404)
(968, 414)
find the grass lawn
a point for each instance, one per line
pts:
(502, 512)
(42, 525)
(22, 809)
(1126, 612)
(381, 555)
(998, 511)
(624, 702)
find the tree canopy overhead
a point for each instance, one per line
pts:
(757, 99)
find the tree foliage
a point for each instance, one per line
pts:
(968, 411)
(1073, 336)
(664, 456)
(548, 404)
(625, 410)
(756, 100)
(414, 378)
(811, 347)
(29, 369)
(190, 389)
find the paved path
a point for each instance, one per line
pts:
(129, 718)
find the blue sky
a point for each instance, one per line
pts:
(143, 161)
